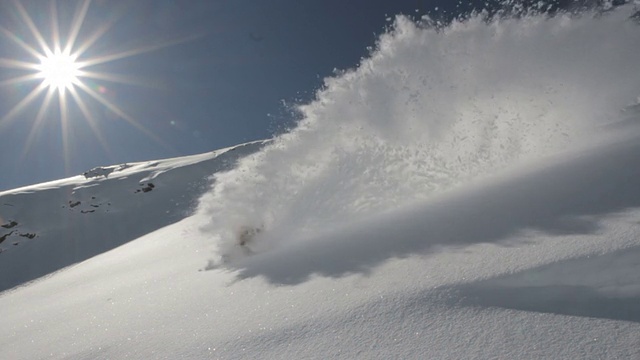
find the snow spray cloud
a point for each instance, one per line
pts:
(429, 109)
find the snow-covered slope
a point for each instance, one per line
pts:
(49, 226)
(520, 268)
(469, 192)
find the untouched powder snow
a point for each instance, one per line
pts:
(469, 192)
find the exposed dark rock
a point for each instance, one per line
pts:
(87, 211)
(98, 171)
(5, 236)
(10, 225)
(74, 204)
(28, 235)
(123, 167)
(146, 188)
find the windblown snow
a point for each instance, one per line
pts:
(468, 191)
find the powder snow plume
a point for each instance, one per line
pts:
(431, 108)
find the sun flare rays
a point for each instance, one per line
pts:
(55, 62)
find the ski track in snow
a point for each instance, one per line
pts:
(470, 192)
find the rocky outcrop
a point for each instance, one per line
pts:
(10, 224)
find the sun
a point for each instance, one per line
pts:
(59, 70)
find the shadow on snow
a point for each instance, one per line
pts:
(605, 286)
(565, 198)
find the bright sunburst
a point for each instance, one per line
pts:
(60, 71)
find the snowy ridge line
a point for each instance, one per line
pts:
(45, 277)
(68, 221)
(180, 161)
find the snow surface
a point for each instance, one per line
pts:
(73, 219)
(467, 193)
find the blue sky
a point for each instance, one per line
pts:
(230, 81)
(228, 74)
